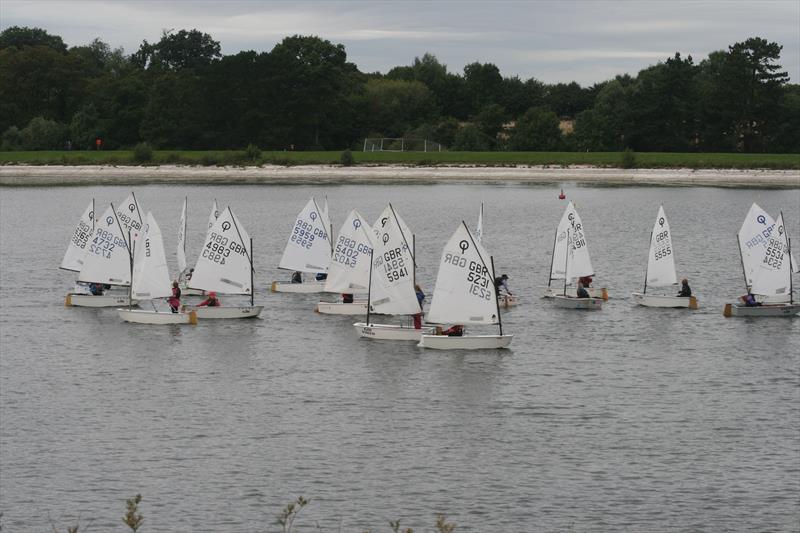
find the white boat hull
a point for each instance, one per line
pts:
(467, 342)
(656, 300)
(105, 300)
(392, 332)
(587, 304)
(139, 316)
(552, 292)
(227, 312)
(507, 300)
(339, 308)
(785, 310)
(307, 287)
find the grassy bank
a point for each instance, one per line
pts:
(238, 158)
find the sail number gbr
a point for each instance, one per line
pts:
(774, 255)
(219, 247)
(394, 267)
(477, 275)
(104, 243)
(347, 251)
(663, 246)
(304, 234)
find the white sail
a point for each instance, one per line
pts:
(107, 259)
(150, 271)
(181, 251)
(479, 229)
(326, 218)
(130, 218)
(73, 258)
(754, 236)
(772, 274)
(308, 248)
(224, 264)
(214, 215)
(661, 258)
(392, 289)
(349, 268)
(580, 262)
(464, 291)
(384, 218)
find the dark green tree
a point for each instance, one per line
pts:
(20, 37)
(536, 130)
(177, 51)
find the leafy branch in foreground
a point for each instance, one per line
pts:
(133, 518)
(289, 514)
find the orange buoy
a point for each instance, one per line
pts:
(562, 196)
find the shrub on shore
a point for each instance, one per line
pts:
(143, 153)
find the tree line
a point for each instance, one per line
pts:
(182, 93)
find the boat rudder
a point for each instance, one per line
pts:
(693, 303)
(274, 286)
(727, 312)
(193, 317)
(68, 300)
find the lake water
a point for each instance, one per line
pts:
(627, 419)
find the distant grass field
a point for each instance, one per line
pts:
(238, 158)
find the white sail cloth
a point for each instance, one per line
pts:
(661, 257)
(580, 264)
(225, 262)
(73, 258)
(479, 229)
(772, 274)
(464, 291)
(150, 271)
(349, 267)
(214, 215)
(129, 214)
(754, 237)
(107, 259)
(309, 246)
(392, 290)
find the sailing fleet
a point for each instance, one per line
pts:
(121, 262)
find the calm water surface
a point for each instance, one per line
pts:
(628, 419)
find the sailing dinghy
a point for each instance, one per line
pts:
(505, 300)
(225, 266)
(576, 265)
(150, 279)
(391, 283)
(661, 269)
(105, 261)
(465, 295)
(753, 239)
(771, 279)
(308, 249)
(571, 221)
(76, 249)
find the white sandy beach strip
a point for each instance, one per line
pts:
(23, 175)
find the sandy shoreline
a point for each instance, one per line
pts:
(37, 176)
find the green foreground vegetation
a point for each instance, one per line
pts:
(243, 158)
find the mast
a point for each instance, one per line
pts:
(566, 263)
(185, 220)
(496, 301)
(130, 260)
(552, 257)
(369, 285)
(789, 250)
(648, 263)
(414, 254)
(252, 273)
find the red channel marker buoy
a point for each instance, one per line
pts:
(562, 196)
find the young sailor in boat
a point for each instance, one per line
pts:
(749, 300)
(501, 282)
(420, 299)
(347, 298)
(685, 291)
(582, 292)
(174, 301)
(297, 277)
(321, 276)
(454, 331)
(586, 281)
(211, 301)
(96, 289)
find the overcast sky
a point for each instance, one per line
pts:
(553, 41)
